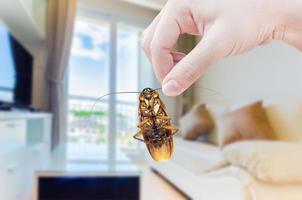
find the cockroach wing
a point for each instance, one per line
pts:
(160, 149)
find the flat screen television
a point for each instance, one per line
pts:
(16, 68)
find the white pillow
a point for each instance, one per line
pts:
(269, 161)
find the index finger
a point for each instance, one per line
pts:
(165, 37)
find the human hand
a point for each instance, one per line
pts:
(228, 28)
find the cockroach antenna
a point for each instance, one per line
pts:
(108, 94)
(112, 93)
(224, 99)
(158, 88)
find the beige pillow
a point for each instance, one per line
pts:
(246, 123)
(195, 123)
(269, 161)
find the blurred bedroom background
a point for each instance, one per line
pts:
(73, 52)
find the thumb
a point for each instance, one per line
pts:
(192, 66)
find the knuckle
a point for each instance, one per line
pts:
(226, 48)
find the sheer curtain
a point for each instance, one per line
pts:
(61, 18)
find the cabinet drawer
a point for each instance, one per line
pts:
(13, 131)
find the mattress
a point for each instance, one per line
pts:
(200, 187)
(200, 171)
(255, 189)
(197, 157)
(190, 161)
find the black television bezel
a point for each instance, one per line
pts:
(23, 80)
(23, 62)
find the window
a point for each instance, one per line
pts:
(127, 80)
(87, 80)
(105, 57)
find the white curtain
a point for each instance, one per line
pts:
(61, 18)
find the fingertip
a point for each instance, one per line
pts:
(172, 88)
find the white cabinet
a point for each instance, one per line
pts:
(24, 148)
(12, 175)
(12, 131)
(16, 176)
(3, 185)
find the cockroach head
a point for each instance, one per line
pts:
(148, 93)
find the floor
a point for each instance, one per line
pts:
(154, 184)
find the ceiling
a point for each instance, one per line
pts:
(151, 4)
(26, 19)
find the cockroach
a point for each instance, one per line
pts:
(155, 126)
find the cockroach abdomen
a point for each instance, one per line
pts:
(159, 144)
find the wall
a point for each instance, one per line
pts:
(271, 72)
(122, 10)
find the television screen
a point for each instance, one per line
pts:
(7, 68)
(15, 70)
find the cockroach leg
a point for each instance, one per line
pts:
(163, 117)
(142, 123)
(156, 108)
(174, 130)
(164, 123)
(137, 135)
(173, 133)
(163, 120)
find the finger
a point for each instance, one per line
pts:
(177, 56)
(148, 34)
(192, 66)
(165, 37)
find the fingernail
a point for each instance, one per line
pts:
(171, 88)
